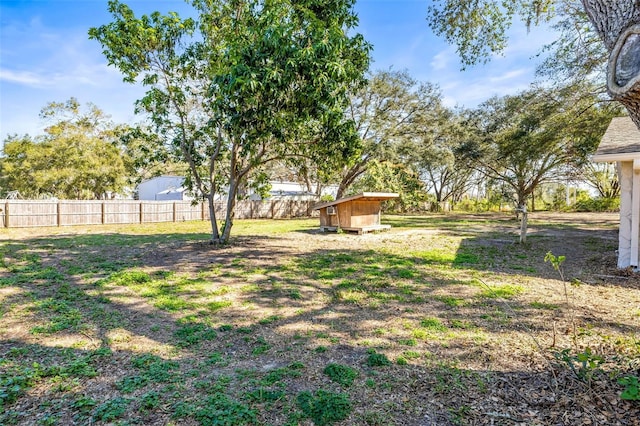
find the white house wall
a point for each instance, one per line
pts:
(148, 189)
(626, 178)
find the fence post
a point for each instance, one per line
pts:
(141, 212)
(102, 212)
(6, 214)
(58, 214)
(272, 210)
(174, 212)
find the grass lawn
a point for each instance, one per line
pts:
(444, 320)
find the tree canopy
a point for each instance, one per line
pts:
(77, 158)
(389, 111)
(478, 28)
(536, 136)
(247, 83)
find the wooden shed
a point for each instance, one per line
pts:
(621, 145)
(358, 213)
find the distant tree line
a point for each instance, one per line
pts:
(251, 91)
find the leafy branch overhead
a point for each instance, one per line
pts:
(478, 28)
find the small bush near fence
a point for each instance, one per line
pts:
(35, 213)
(597, 205)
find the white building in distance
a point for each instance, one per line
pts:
(163, 188)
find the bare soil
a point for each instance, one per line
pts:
(480, 330)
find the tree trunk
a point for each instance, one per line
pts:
(215, 235)
(231, 206)
(341, 188)
(523, 225)
(617, 22)
(533, 201)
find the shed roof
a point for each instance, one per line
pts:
(365, 196)
(621, 141)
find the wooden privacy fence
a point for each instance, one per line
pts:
(34, 213)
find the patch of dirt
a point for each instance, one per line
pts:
(475, 324)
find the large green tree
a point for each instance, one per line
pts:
(535, 136)
(391, 110)
(247, 83)
(478, 28)
(390, 177)
(431, 153)
(76, 158)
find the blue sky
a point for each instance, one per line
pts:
(45, 56)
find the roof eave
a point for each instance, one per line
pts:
(617, 157)
(382, 196)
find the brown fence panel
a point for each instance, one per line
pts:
(156, 211)
(74, 212)
(243, 210)
(31, 213)
(260, 209)
(279, 209)
(122, 211)
(300, 208)
(186, 211)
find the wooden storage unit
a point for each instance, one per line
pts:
(359, 213)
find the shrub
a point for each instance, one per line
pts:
(341, 374)
(597, 205)
(376, 359)
(631, 391)
(324, 408)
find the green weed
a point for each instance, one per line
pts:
(131, 383)
(191, 334)
(150, 400)
(262, 346)
(411, 354)
(324, 408)
(171, 303)
(128, 278)
(433, 324)
(451, 301)
(501, 292)
(62, 317)
(584, 365)
(265, 395)
(294, 294)
(542, 305)
(111, 410)
(153, 369)
(84, 404)
(631, 390)
(341, 374)
(219, 305)
(375, 359)
(269, 320)
(220, 409)
(458, 414)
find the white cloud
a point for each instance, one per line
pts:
(27, 78)
(72, 75)
(509, 75)
(441, 61)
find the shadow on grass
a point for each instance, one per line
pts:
(149, 328)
